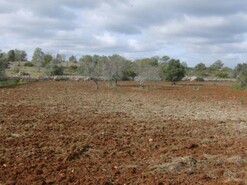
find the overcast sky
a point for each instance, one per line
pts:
(191, 30)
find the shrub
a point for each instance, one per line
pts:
(174, 71)
(199, 79)
(54, 70)
(222, 75)
(5, 83)
(73, 68)
(16, 69)
(28, 64)
(242, 78)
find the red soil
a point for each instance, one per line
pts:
(69, 133)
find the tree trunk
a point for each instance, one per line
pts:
(96, 83)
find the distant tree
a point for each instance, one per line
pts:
(225, 72)
(3, 63)
(72, 59)
(174, 71)
(53, 69)
(240, 72)
(115, 68)
(148, 69)
(237, 70)
(11, 55)
(143, 63)
(200, 69)
(216, 66)
(152, 73)
(90, 66)
(242, 77)
(20, 55)
(129, 73)
(47, 60)
(59, 59)
(38, 57)
(165, 58)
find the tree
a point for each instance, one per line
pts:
(200, 69)
(146, 69)
(216, 66)
(38, 57)
(242, 77)
(129, 73)
(53, 69)
(11, 55)
(20, 55)
(59, 59)
(3, 63)
(165, 58)
(90, 66)
(143, 63)
(72, 59)
(225, 72)
(237, 70)
(115, 67)
(47, 60)
(152, 73)
(240, 72)
(174, 71)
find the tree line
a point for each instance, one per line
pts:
(116, 67)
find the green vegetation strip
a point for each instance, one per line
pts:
(7, 83)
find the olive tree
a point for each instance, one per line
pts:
(200, 69)
(72, 59)
(241, 75)
(174, 71)
(3, 63)
(115, 68)
(38, 57)
(90, 66)
(147, 69)
(53, 68)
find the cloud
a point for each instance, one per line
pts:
(192, 30)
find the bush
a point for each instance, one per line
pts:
(28, 64)
(174, 71)
(237, 87)
(199, 79)
(6, 83)
(54, 70)
(3, 64)
(73, 68)
(16, 69)
(242, 78)
(222, 75)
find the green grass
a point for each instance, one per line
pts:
(237, 87)
(7, 83)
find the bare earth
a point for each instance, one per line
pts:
(69, 133)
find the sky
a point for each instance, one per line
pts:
(193, 31)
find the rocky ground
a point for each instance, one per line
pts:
(69, 133)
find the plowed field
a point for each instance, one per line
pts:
(70, 133)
